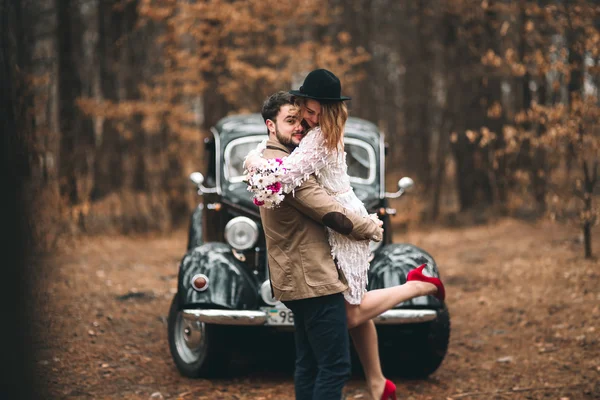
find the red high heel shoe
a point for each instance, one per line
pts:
(389, 391)
(417, 275)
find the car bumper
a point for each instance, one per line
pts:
(257, 318)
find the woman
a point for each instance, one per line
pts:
(321, 152)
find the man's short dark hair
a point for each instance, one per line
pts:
(271, 106)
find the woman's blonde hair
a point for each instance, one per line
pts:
(332, 121)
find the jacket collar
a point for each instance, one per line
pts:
(276, 145)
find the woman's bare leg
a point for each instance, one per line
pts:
(362, 328)
(377, 301)
(365, 341)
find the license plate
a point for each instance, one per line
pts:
(279, 316)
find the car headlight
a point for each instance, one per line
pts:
(374, 246)
(265, 293)
(241, 233)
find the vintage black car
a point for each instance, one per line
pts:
(223, 292)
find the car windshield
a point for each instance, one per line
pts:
(360, 158)
(235, 153)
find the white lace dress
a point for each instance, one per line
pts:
(330, 169)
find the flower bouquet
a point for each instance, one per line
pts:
(263, 177)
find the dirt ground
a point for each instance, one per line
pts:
(524, 304)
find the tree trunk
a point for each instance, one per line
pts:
(446, 43)
(440, 166)
(19, 377)
(109, 143)
(539, 171)
(492, 94)
(575, 89)
(532, 159)
(418, 84)
(472, 165)
(77, 141)
(590, 179)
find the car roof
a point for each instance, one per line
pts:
(235, 126)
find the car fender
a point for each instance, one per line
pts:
(195, 232)
(391, 264)
(230, 285)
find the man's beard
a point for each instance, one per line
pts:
(286, 141)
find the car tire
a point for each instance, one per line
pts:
(195, 347)
(422, 352)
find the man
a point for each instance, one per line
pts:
(303, 274)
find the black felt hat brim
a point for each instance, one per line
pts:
(300, 94)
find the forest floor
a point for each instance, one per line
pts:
(524, 304)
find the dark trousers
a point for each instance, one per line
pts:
(322, 347)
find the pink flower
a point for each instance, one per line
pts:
(274, 187)
(258, 202)
(279, 161)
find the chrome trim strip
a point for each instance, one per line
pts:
(393, 317)
(217, 157)
(382, 166)
(227, 317)
(248, 317)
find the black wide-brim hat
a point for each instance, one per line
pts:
(321, 85)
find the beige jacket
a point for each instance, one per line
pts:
(300, 262)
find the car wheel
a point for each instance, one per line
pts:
(422, 352)
(195, 346)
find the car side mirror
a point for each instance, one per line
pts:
(404, 184)
(197, 178)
